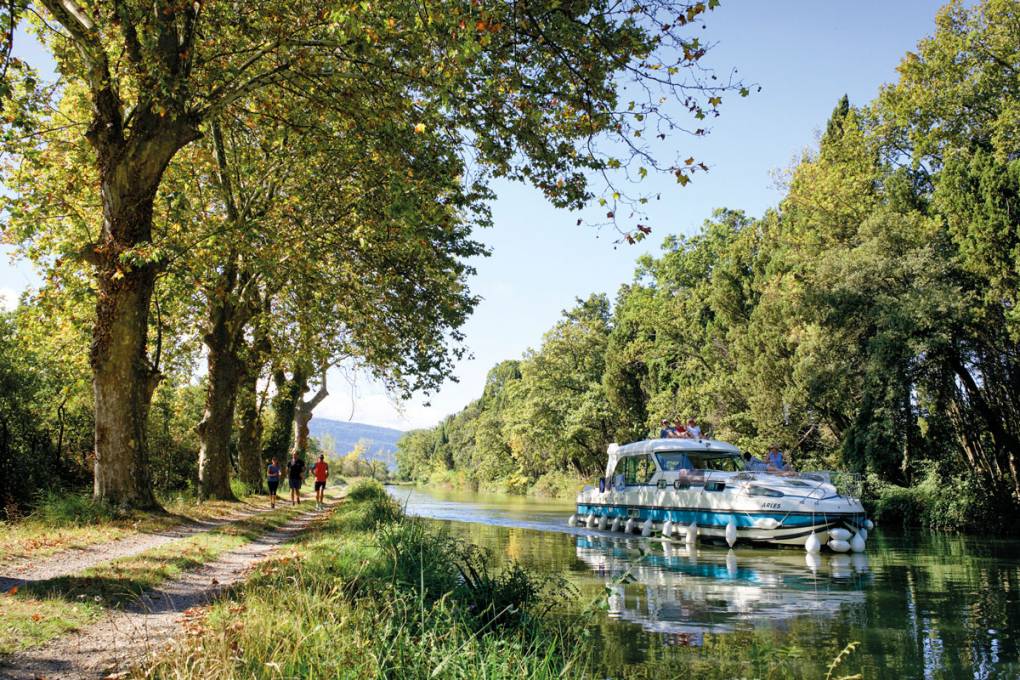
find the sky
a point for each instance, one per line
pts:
(805, 55)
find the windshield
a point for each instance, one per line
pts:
(671, 461)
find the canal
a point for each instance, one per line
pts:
(921, 605)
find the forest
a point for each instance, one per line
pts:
(868, 322)
(224, 201)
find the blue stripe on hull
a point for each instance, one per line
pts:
(709, 518)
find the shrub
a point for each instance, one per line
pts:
(435, 565)
(54, 508)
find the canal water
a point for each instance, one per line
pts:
(920, 605)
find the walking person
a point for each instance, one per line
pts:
(273, 479)
(321, 472)
(296, 477)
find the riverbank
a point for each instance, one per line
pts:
(554, 484)
(371, 593)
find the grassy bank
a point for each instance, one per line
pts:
(371, 594)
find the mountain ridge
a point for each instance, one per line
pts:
(380, 442)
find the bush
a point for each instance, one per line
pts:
(368, 506)
(939, 501)
(54, 508)
(435, 565)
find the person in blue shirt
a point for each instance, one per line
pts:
(665, 431)
(775, 458)
(752, 464)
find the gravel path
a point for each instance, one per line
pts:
(74, 560)
(125, 638)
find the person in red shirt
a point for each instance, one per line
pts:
(321, 472)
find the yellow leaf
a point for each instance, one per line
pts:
(419, 128)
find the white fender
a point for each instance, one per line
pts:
(667, 528)
(572, 522)
(602, 522)
(692, 533)
(869, 525)
(766, 523)
(731, 533)
(840, 534)
(863, 533)
(839, 545)
(857, 543)
(629, 527)
(646, 528)
(615, 526)
(812, 545)
(591, 520)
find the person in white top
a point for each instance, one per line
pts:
(693, 431)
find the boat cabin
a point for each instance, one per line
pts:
(663, 461)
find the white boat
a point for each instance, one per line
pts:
(699, 489)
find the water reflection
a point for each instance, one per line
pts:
(666, 588)
(921, 605)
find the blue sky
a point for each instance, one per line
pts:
(805, 55)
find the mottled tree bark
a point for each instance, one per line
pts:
(123, 376)
(218, 419)
(303, 415)
(249, 432)
(278, 442)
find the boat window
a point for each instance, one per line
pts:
(672, 461)
(637, 469)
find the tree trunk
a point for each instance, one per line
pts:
(250, 431)
(303, 415)
(123, 378)
(217, 424)
(278, 442)
(223, 339)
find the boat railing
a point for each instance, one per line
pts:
(849, 484)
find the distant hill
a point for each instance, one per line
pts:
(342, 436)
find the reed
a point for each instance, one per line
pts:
(375, 594)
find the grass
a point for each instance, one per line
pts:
(63, 521)
(373, 594)
(28, 622)
(42, 610)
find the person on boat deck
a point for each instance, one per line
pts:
(679, 431)
(665, 431)
(775, 458)
(752, 464)
(693, 431)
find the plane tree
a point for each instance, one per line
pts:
(530, 90)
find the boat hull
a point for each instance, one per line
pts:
(769, 527)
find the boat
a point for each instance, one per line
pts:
(701, 489)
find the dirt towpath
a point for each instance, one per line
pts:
(74, 560)
(124, 638)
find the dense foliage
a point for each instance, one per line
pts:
(868, 322)
(275, 188)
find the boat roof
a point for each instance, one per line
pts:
(659, 445)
